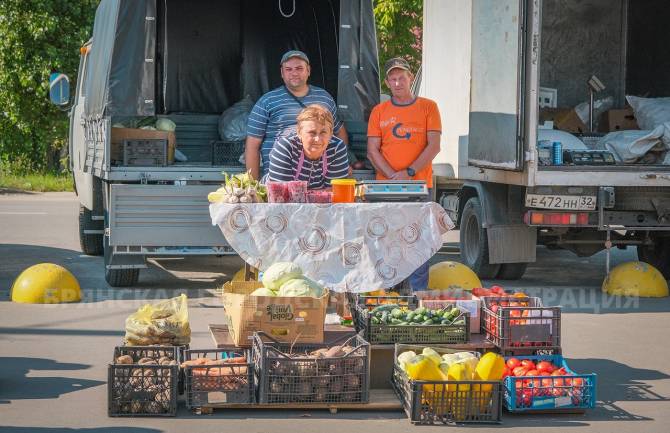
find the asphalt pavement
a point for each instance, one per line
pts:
(53, 358)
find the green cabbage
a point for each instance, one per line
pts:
(279, 273)
(301, 287)
(263, 291)
(164, 124)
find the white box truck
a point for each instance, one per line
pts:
(188, 62)
(484, 62)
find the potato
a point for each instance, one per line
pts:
(334, 352)
(164, 360)
(320, 393)
(124, 359)
(147, 360)
(336, 385)
(352, 382)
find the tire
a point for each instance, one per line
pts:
(122, 277)
(91, 244)
(657, 255)
(512, 271)
(119, 277)
(474, 243)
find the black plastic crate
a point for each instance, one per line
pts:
(180, 358)
(145, 152)
(447, 402)
(227, 152)
(144, 387)
(219, 385)
(284, 374)
(521, 324)
(411, 334)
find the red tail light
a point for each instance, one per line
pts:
(538, 218)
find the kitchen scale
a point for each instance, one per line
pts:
(392, 190)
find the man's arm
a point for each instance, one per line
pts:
(342, 135)
(377, 159)
(252, 159)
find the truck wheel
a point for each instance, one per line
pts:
(122, 277)
(118, 277)
(91, 243)
(657, 255)
(474, 243)
(512, 271)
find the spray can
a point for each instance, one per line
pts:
(557, 153)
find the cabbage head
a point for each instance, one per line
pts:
(279, 273)
(301, 287)
(164, 124)
(263, 291)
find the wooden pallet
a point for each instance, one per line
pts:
(380, 400)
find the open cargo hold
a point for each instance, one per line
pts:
(623, 43)
(199, 58)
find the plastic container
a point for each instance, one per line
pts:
(297, 191)
(550, 393)
(319, 196)
(277, 192)
(343, 190)
(516, 324)
(412, 334)
(557, 153)
(446, 402)
(220, 385)
(284, 378)
(143, 389)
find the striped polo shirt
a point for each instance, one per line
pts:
(277, 110)
(285, 155)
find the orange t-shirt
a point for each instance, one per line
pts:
(403, 130)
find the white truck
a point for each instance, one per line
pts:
(484, 62)
(188, 62)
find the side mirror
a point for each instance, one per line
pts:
(59, 89)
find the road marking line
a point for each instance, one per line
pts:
(22, 213)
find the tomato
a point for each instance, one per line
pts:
(578, 382)
(519, 371)
(532, 372)
(513, 363)
(497, 290)
(559, 372)
(515, 313)
(545, 366)
(530, 365)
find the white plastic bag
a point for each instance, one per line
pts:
(233, 121)
(650, 112)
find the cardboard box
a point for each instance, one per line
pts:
(472, 306)
(565, 119)
(120, 134)
(617, 120)
(286, 319)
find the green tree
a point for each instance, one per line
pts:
(36, 38)
(399, 25)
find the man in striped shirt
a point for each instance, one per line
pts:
(277, 110)
(311, 153)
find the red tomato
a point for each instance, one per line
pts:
(519, 371)
(515, 313)
(559, 372)
(532, 372)
(497, 290)
(578, 382)
(547, 383)
(506, 372)
(545, 366)
(513, 363)
(530, 365)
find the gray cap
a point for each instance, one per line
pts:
(294, 53)
(396, 62)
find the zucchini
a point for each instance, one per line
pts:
(428, 322)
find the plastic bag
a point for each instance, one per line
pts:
(163, 323)
(233, 121)
(600, 106)
(650, 112)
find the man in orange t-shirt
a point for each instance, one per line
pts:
(404, 132)
(404, 138)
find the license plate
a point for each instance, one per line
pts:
(562, 202)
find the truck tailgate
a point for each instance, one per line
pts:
(162, 215)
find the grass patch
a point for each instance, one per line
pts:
(42, 182)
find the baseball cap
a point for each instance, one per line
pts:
(396, 62)
(294, 53)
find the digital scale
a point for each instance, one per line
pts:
(392, 190)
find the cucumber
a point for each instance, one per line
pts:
(410, 316)
(428, 322)
(420, 311)
(374, 321)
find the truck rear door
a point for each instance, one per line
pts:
(497, 84)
